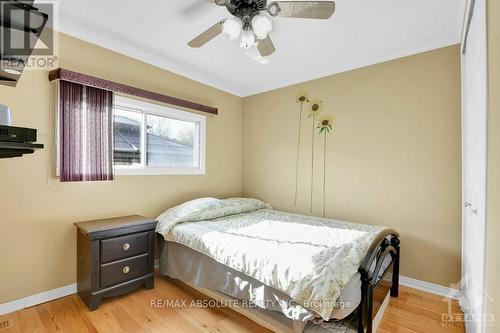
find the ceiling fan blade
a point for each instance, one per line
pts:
(302, 9)
(207, 36)
(266, 47)
(219, 2)
(199, 7)
(195, 9)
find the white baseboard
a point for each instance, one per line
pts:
(50, 295)
(40, 298)
(32, 300)
(429, 287)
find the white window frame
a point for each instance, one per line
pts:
(129, 104)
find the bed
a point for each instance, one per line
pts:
(288, 272)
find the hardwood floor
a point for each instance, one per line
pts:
(412, 312)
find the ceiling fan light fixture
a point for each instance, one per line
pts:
(247, 40)
(273, 9)
(262, 26)
(252, 21)
(232, 27)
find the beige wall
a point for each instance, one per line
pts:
(493, 201)
(37, 238)
(393, 159)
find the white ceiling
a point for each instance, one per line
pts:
(360, 33)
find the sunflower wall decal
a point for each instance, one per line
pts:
(302, 99)
(325, 126)
(322, 122)
(315, 108)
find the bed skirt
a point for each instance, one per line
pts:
(265, 305)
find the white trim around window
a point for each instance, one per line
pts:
(145, 109)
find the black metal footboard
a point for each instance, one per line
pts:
(376, 278)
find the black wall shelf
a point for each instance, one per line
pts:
(9, 149)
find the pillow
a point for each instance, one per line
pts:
(206, 209)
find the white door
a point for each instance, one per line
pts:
(474, 125)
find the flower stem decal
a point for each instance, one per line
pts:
(301, 99)
(315, 109)
(325, 125)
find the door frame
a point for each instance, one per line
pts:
(469, 12)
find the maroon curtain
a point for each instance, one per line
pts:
(86, 125)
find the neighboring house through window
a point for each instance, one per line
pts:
(153, 139)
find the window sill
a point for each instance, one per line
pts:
(159, 172)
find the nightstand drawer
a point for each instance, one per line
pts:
(123, 270)
(115, 257)
(123, 247)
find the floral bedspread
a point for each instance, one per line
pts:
(308, 258)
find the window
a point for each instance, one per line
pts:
(150, 139)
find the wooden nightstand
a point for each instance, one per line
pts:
(115, 256)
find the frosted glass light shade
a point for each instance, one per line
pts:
(232, 27)
(262, 26)
(247, 39)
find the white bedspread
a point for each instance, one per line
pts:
(310, 259)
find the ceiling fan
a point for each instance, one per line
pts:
(251, 22)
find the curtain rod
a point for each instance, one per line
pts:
(67, 75)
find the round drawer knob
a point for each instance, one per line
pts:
(126, 247)
(126, 269)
